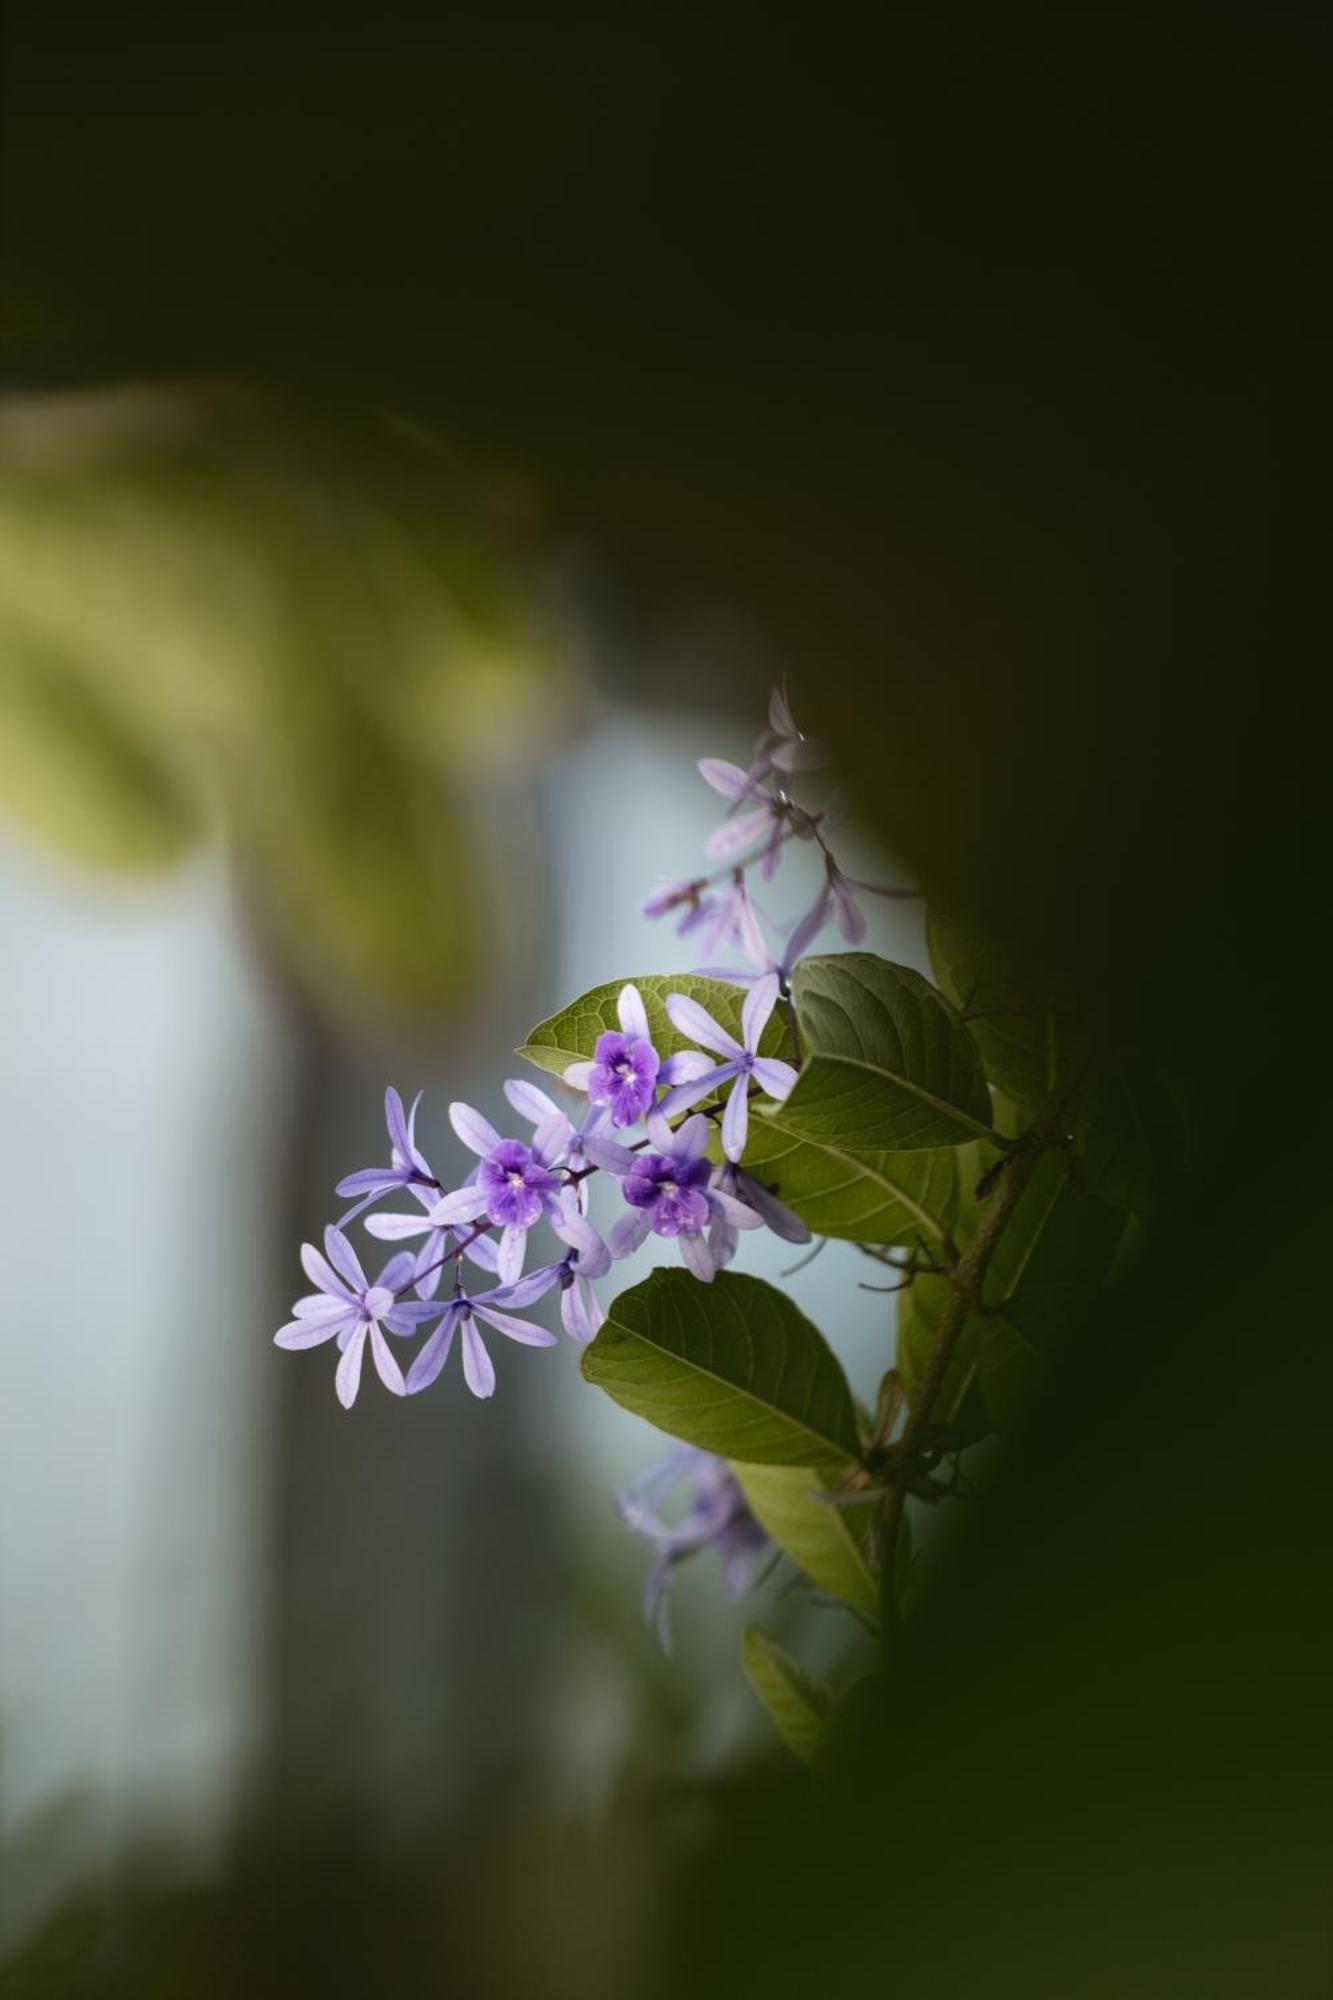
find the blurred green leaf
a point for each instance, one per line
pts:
(887, 1064)
(209, 592)
(833, 1545)
(798, 1702)
(1014, 1031)
(73, 771)
(733, 1367)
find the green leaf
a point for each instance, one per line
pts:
(733, 1367)
(831, 1544)
(571, 1035)
(798, 1702)
(876, 1198)
(992, 1372)
(1014, 1031)
(888, 1066)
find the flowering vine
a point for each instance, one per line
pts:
(836, 1096)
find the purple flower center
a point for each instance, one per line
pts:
(624, 1076)
(672, 1190)
(376, 1302)
(514, 1180)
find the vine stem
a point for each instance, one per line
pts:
(967, 1280)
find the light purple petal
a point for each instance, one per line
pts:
(633, 1014)
(398, 1273)
(399, 1137)
(514, 1329)
(390, 1374)
(465, 1204)
(409, 1316)
(738, 833)
(529, 1102)
(749, 935)
(727, 778)
(689, 1018)
(310, 1332)
(691, 1138)
(348, 1379)
(722, 1242)
(851, 917)
(686, 1094)
(433, 1355)
(344, 1259)
(605, 1153)
(320, 1272)
(736, 1212)
(736, 1119)
(629, 1233)
(777, 1079)
(482, 1252)
(776, 1215)
(551, 1140)
(686, 1066)
(576, 1230)
(474, 1130)
(696, 1254)
(478, 1371)
(756, 1008)
(808, 929)
(398, 1228)
(780, 719)
(318, 1305)
(524, 1291)
(369, 1180)
(579, 1074)
(574, 1315)
(512, 1250)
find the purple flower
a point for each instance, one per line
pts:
(689, 895)
(671, 1193)
(580, 1313)
(623, 1072)
(462, 1313)
(765, 816)
(408, 1165)
(626, 1069)
(349, 1309)
(782, 746)
(717, 1518)
(513, 1187)
(774, 1214)
(850, 916)
(541, 1111)
(803, 934)
(741, 1060)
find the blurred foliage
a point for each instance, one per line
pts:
(326, 634)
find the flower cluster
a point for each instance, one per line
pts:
(659, 1116)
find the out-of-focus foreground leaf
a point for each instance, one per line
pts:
(326, 637)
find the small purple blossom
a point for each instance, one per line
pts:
(851, 918)
(687, 894)
(408, 1165)
(626, 1069)
(461, 1316)
(672, 1193)
(741, 1060)
(717, 1518)
(782, 746)
(349, 1309)
(514, 1186)
(801, 936)
(766, 816)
